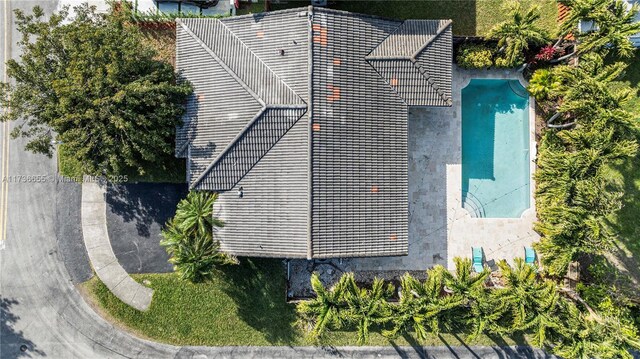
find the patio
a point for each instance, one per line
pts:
(439, 228)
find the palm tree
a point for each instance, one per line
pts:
(532, 303)
(424, 307)
(195, 213)
(189, 240)
(366, 307)
(195, 257)
(614, 24)
(580, 10)
(597, 337)
(517, 34)
(465, 281)
(325, 311)
(584, 91)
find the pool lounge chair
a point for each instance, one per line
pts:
(530, 256)
(477, 259)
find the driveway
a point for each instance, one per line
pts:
(135, 216)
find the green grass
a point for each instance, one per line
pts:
(172, 170)
(250, 8)
(470, 17)
(625, 222)
(245, 305)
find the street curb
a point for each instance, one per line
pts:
(98, 245)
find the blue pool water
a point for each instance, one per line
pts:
(495, 148)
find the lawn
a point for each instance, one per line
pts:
(172, 170)
(625, 222)
(245, 305)
(470, 17)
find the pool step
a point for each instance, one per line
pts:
(517, 88)
(472, 204)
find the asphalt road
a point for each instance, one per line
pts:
(42, 313)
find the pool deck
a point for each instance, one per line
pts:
(439, 228)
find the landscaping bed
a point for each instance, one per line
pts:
(243, 305)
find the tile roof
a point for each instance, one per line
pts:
(304, 113)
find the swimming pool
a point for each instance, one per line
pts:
(495, 148)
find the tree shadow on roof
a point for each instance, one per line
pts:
(257, 286)
(14, 344)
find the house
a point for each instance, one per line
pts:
(299, 121)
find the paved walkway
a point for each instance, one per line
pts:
(439, 228)
(103, 260)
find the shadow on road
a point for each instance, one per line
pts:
(12, 341)
(144, 203)
(136, 214)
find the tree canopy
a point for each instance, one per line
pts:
(516, 35)
(89, 82)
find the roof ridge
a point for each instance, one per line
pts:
(442, 28)
(263, 111)
(368, 56)
(434, 85)
(262, 61)
(228, 147)
(224, 66)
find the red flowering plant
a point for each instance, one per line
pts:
(548, 53)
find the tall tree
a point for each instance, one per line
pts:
(464, 281)
(92, 83)
(518, 33)
(613, 24)
(533, 303)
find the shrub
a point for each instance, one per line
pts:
(475, 57)
(548, 53)
(542, 83)
(504, 63)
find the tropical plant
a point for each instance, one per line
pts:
(325, 311)
(366, 307)
(473, 56)
(579, 10)
(422, 307)
(532, 303)
(194, 215)
(542, 84)
(598, 337)
(189, 238)
(90, 82)
(548, 53)
(464, 281)
(517, 34)
(613, 23)
(587, 88)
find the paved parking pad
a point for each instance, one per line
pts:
(135, 216)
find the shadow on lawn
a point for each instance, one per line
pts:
(258, 287)
(625, 222)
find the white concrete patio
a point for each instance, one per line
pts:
(439, 228)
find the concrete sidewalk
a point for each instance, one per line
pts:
(103, 260)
